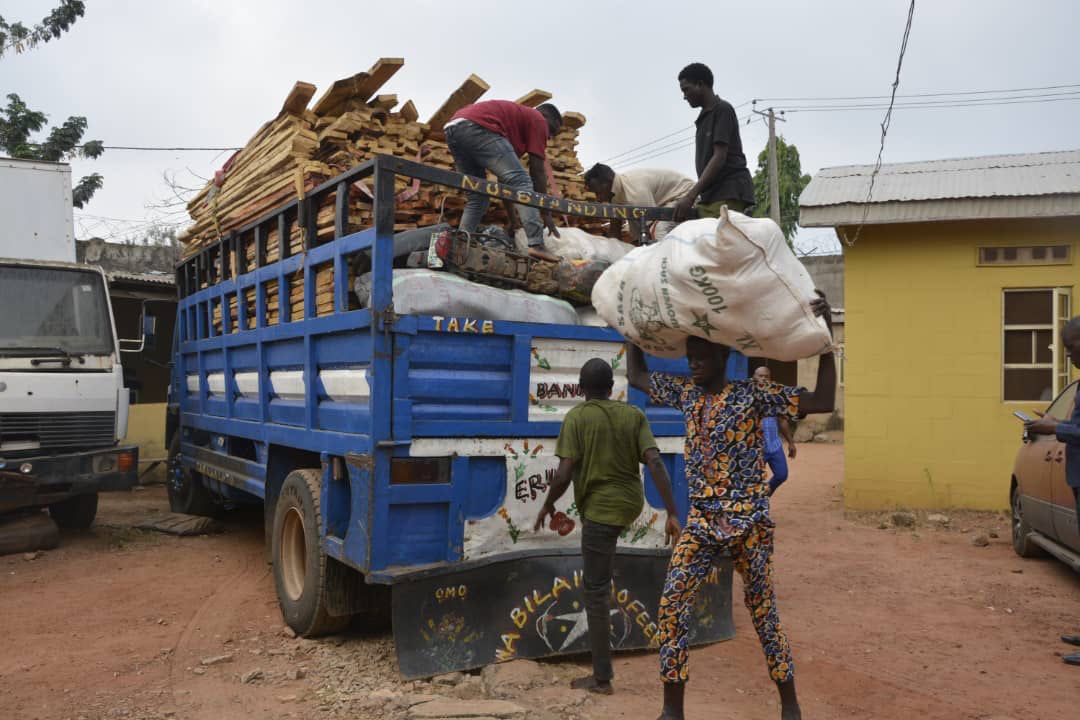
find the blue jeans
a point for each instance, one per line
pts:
(777, 461)
(477, 150)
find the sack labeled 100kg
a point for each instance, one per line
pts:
(731, 280)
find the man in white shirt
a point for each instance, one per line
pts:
(644, 187)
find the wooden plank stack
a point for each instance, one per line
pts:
(350, 122)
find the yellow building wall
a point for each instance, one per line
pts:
(146, 428)
(925, 423)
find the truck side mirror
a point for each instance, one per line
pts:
(149, 328)
(148, 324)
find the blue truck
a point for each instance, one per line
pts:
(401, 458)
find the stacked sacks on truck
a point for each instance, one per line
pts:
(489, 257)
(731, 280)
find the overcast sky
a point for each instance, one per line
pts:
(209, 73)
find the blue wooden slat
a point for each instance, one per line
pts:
(459, 386)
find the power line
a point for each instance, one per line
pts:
(682, 142)
(645, 145)
(664, 137)
(659, 151)
(843, 108)
(911, 95)
(123, 220)
(638, 161)
(171, 149)
(885, 122)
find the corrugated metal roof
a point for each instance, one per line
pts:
(151, 278)
(995, 186)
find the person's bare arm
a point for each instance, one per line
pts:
(662, 480)
(538, 173)
(637, 371)
(615, 229)
(823, 397)
(708, 175)
(558, 486)
(784, 425)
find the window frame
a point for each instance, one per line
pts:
(1028, 262)
(1058, 317)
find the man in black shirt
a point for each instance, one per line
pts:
(723, 178)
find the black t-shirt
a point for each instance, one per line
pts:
(720, 125)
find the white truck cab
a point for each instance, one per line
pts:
(63, 405)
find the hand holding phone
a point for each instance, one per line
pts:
(1023, 417)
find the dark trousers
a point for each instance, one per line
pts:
(1076, 494)
(598, 543)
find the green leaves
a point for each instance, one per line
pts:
(16, 36)
(85, 189)
(792, 183)
(64, 142)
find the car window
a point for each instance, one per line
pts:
(1062, 407)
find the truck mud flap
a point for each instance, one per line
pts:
(532, 606)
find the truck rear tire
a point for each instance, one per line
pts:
(304, 577)
(75, 513)
(187, 494)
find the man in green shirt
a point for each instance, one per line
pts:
(601, 444)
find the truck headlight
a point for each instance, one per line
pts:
(105, 463)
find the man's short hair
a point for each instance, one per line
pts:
(597, 377)
(552, 113)
(697, 73)
(1072, 328)
(599, 171)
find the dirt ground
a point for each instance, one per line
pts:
(885, 623)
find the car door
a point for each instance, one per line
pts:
(1032, 472)
(1064, 502)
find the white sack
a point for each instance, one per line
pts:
(430, 292)
(588, 316)
(576, 244)
(731, 280)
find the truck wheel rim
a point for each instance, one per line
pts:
(293, 554)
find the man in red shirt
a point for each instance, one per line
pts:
(492, 135)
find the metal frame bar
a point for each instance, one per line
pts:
(393, 166)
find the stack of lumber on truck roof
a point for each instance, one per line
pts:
(307, 144)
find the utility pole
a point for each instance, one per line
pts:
(774, 174)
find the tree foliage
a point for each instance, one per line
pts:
(792, 183)
(20, 38)
(64, 142)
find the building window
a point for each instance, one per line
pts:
(1025, 255)
(1035, 364)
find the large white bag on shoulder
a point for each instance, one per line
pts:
(731, 280)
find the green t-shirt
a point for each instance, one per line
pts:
(607, 439)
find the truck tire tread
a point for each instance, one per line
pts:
(190, 496)
(325, 578)
(75, 513)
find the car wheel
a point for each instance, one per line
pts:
(1021, 541)
(304, 577)
(187, 494)
(75, 513)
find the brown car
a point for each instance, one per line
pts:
(1043, 505)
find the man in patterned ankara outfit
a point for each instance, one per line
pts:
(729, 500)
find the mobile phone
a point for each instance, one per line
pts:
(1021, 416)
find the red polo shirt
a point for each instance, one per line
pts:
(524, 127)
